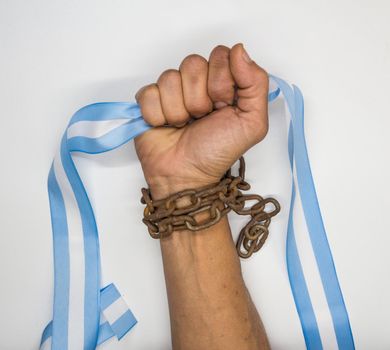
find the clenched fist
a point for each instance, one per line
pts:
(206, 114)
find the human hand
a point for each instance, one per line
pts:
(228, 98)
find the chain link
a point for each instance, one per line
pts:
(164, 216)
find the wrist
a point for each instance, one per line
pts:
(163, 187)
(194, 244)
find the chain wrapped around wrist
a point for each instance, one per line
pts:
(164, 216)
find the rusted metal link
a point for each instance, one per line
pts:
(164, 216)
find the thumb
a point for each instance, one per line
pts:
(252, 86)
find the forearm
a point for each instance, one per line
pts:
(206, 114)
(210, 307)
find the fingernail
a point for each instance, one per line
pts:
(245, 55)
(220, 104)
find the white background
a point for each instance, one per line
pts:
(56, 56)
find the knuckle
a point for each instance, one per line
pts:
(139, 94)
(146, 92)
(168, 75)
(219, 56)
(221, 47)
(193, 62)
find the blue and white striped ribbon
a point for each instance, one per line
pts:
(84, 315)
(115, 319)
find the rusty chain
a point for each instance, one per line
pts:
(164, 216)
